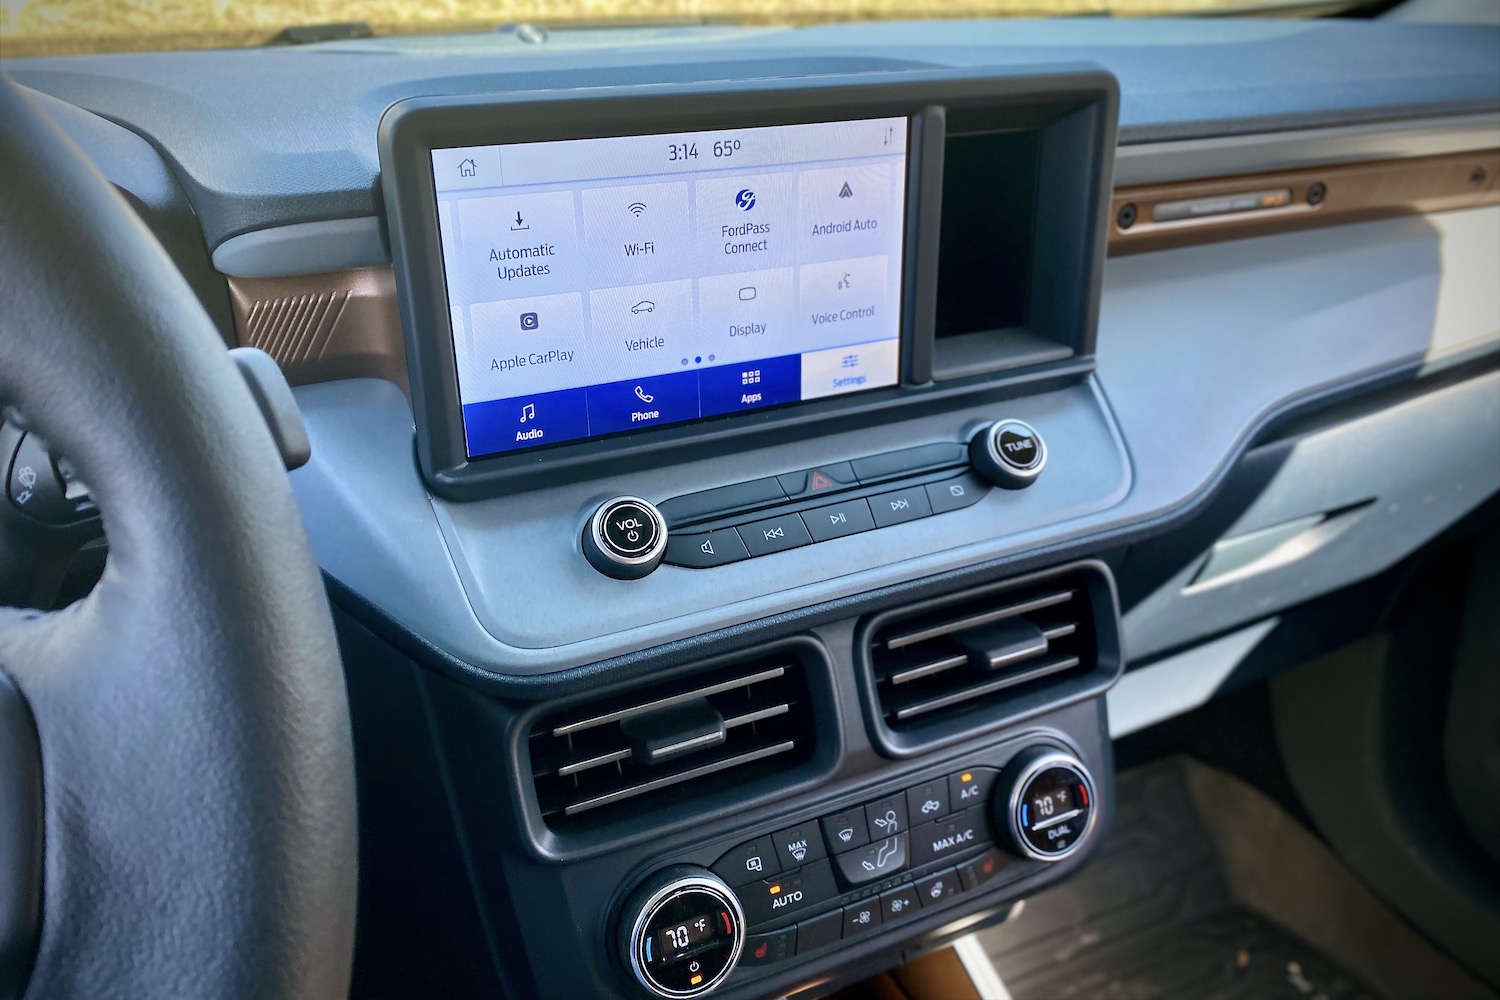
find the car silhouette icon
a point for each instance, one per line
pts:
(643, 306)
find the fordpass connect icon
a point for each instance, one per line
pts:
(745, 199)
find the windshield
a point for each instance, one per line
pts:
(60, 27)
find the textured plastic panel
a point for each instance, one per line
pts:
(1421, 466)
(523, 571)
(274, 136)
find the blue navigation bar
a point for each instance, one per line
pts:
(501, 425)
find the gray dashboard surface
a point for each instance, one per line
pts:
(275, 136)
(1194, 353)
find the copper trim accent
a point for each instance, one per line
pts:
(322, 327)
(346, 324)
(1353, 192)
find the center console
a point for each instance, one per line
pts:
(723, 396)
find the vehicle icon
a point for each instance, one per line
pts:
(643, 306)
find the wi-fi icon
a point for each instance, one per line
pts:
(636, 208)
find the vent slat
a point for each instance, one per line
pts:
(928, 669)
(594, 722)
(975, 620)
(990, 687)
(759, 716)
(631, 791)
(599, 761)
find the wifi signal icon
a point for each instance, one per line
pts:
(636, 208)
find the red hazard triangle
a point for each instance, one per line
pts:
(820, 481)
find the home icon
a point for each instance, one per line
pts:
(466, 168)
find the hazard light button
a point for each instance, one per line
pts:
(816, 482)
(705, 549)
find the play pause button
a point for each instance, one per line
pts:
(839, 519)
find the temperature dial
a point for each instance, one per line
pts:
(681, 932)
(1049, 809)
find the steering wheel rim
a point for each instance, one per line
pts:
(197, 780)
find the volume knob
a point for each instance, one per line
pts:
(626, 538)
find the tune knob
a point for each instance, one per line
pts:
(1045, 804)
(681, 932)
(625, 538)
(1009, 453)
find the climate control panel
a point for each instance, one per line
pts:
(845, 874)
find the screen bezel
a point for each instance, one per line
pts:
(906, 196)
(412, 128)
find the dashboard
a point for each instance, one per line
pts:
(759, 471)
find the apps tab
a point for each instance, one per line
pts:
(750, 385)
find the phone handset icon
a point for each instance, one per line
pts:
(643, 395)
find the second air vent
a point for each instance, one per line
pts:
(982, 658)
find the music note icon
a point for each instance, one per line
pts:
(528, 412)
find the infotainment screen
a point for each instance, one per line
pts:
(601, 286)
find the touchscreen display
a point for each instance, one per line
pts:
(600, 286)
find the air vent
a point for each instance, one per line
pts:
(651, 747)
(985, 657)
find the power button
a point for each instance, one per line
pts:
(625, 538)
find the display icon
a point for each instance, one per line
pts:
(747, 293)
(530, 321)
(744, 200)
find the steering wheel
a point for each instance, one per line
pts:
(180, 738)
